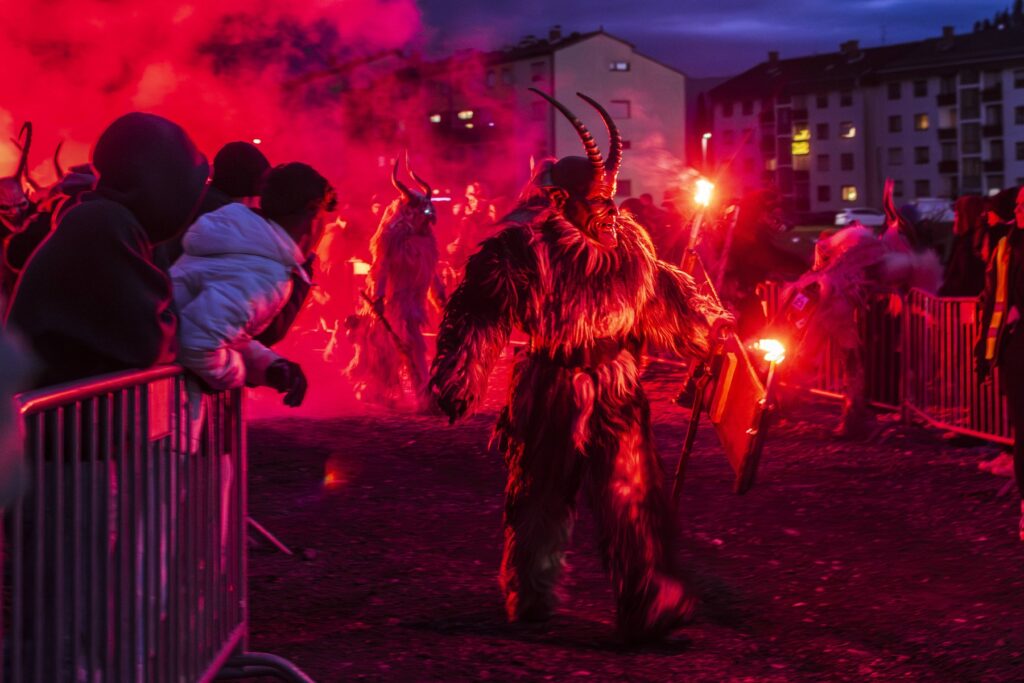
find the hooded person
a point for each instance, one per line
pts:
(235, 276)
(91, 300)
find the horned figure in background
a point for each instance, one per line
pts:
(15, 205)
(584, 284)
(854, 271)
(388, 330)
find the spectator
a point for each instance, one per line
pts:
(91, 300)
(236, 275)
(965, 270)
(238, 170)
(1002, 332)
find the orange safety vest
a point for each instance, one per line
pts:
(1002, 259)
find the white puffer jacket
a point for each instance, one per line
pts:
(232, 280)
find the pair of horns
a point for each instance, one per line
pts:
(606, 173)
(407, 194)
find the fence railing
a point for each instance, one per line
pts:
(921, 361)
(126, 559)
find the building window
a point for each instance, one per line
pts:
(849, 193)
(492, 78)
(1018, 78)
(748, 107)
(620, 109)
(847, 130)
(846, 161)
(823, 161)
(624, 188)
(537, 71)
(822, 131)
(897, 188)
(921, 155)
(922, 188)
(921, 122)
(947, 85)
(949, 151)
(1020, 151)
(1018, 116)
(506, 77)
(995, 183)
(727, 109)
(821, 101)
(618, 66)
(824, 193)
(971, 141)
(920, 88)
(995, 150)
(896, 124)
(895, 90)
(895, 156)
(845, 98)
(970, 104)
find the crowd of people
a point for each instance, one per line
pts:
(151, 255)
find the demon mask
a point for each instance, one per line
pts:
(15, 207)
(587, 185)
(418, 207)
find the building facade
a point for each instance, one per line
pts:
(941, 117)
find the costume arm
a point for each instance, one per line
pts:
(679, 317)
(479, 318)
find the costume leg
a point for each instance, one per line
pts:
(544, 472)
(418, 368)
(626, 489)
(854, 418)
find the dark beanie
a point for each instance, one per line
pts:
(238, 169)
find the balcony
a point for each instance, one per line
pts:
(994, 130)
(947, 133)
(992, 94)
(945, 99)
(950, 166)
(994, 165)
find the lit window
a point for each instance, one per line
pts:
(801, 132)
(465, 115)
(618, 66)
(849, 193)
(620, 109)
(435, 118)
(920, 121)
(801, 148)
(847, 130)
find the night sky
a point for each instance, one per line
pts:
(702, 37)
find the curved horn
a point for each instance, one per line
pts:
(56, 160)
(614, 161)
(419, 181)
(26, 132)
(593, 151)
(399, 185)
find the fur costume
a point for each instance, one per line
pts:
(403, 275)
(589, 296)
(853, 269)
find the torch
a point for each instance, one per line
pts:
(702, 197)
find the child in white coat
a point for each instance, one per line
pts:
(236, 275)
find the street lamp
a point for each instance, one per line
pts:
(704, 150)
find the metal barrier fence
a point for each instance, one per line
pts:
(921, 361)
(126, 559)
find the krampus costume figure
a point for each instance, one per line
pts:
(584, 283)
(388, 331)
(854, 269)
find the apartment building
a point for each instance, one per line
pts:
(939, 116)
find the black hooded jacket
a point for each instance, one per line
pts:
(91, 300)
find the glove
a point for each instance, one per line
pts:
(983, 367)
(288, 379)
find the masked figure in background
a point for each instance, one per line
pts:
(585, 285)
(853, 270)
(388, 330)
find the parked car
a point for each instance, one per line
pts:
(872, 218)
(933, 209)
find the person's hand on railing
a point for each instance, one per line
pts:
(288, 379)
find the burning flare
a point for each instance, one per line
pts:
(773, 350)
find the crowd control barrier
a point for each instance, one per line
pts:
(921, 361)
(126, 558)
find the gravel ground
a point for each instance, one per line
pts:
(893, 560)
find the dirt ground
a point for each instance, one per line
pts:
(893, 560)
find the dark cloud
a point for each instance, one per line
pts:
(706, 38)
